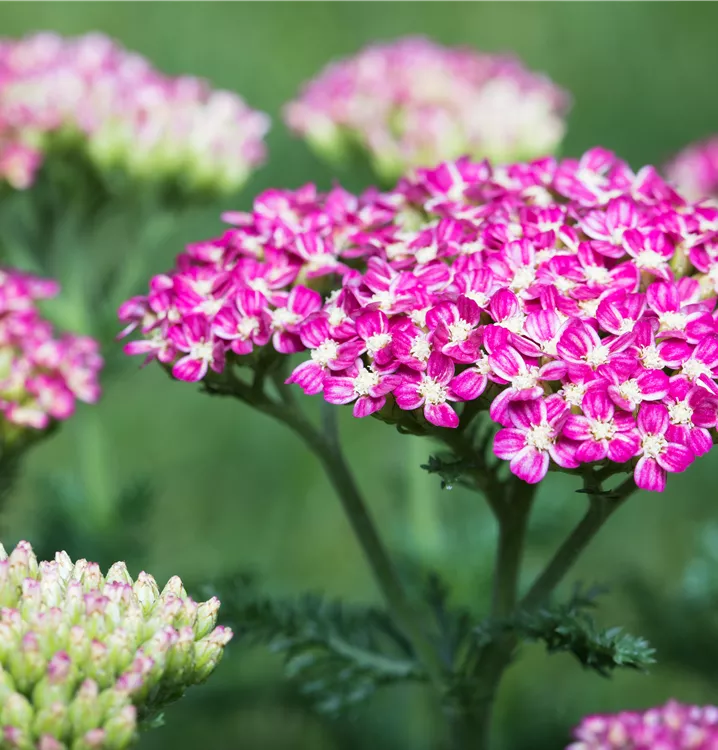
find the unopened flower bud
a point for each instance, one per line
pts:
(85, 710)
(52, 720)
(146, 590)
(16, 711)
(206, 617)
(174, 587)
(48, 742)
(121, 729)
(118, 573)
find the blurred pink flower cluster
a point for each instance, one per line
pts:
(126, 115)
(414, 103)
(574, 299)
(695, 170)
(41, 377)
(670, 727)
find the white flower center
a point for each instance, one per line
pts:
(211, 307)
(603, 430)
(420, 348)
(426, 254)
(573, 393)
(482, 365)
(597, 275)
(203, 286)
(247, 326)
(384, 299)
(469, 248)
(653, 445)
(631, 391)
(672, 321)
(540, 437)
(283, 317)
(526, 379)
(650, 259)
(523, 278)
(365, 381)
(651, 358)
(377, 341)
(460, 331)
(693, 369)
(433, 392)
(626, 326)
(202, 350)
(260, 285)
(336, 316)
(589, 307)
(418, 317)
(564, 284)
(680, 413)
(325, 353)
(515, 323)
(598, 356)
(481, 299)
(322, 260)
(396, 250)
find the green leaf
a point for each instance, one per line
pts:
(339, 656)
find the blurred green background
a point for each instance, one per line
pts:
(234, 492)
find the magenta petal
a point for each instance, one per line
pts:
(597, 405)
(441, 415)
(577, 428)
(653, 419)
(592, 450)
(707, 352)
(563, 453)
(530, 465)
(372, 323)
(675, 458)
(649, 475)
(507, 363)
(189, 369)
(407, 396)
(309, 376)
(499, 409)
(508, 442)
(653, 384)
(440, 368)
(699, 441)
(304, 301)
(367, 405)
(469, 384)
(623, 446)
(338, 390)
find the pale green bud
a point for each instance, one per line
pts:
(52, 720)
(118, 573)
(17, 712)
(206, 617)
(174, 587)
(121, 729)
(146, 590)
(85, 711)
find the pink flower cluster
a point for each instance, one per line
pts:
(574, 299)
(695, 170)
(41, 377)
(670, 727)
(125, 114)
(412, 103)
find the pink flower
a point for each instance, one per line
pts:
(366, 387)
(692, 412)
(658, 455)
(602, 431)
(430, 389)
(286, 319)
(245, 323)
(534, 438)
(195, 338)
(586, 353)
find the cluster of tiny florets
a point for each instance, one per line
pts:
(670, 727)
(121, 113)
(414, 103)
(85, 657)
(41, 376)
(695, 170)
(574, 299)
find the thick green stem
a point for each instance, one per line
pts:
(326, 447)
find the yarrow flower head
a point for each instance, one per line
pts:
(41, 377)
(574, 301)
(670, 727)
(695, 170)
(110, 105)
(84, 658)
(412, 102)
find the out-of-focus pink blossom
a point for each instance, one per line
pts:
(670, 727)
(573, 301)
(695, 170)
(120, 112)
(412, 102)
(41, 377)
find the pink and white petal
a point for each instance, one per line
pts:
(653, 384)
(592, 450)
(372, 323)
(441, 415)
(445, 313)
(310, 377)
(652, 419)
(469, 384)
(577, 427)
(508, 442)
(339, 390)
(563, 453)
(440, 368)
(189, 369)
(555, 370)
(287, 343)
(507, 363)
(304, 301)
(367, 405)
(623, 446)
(597, 405)
(707, 352)
(699, 441)
(408, 397)
(530, 465)
(675, 458)
(648, 475)
(556, 410)
(526, 414)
